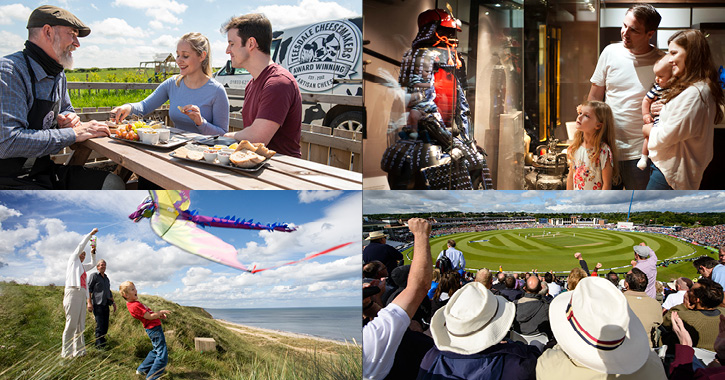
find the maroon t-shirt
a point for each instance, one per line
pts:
(274, 95)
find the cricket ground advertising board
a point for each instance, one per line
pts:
(323, 52)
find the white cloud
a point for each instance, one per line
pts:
(219, 55)
(333, 228)
(10, 43)
(161, 11)
(166, 42)
(14, 12)
(309, 196)
(6, 213)
(196, 275)
(115, 27)
(10, 239)
(304, 12)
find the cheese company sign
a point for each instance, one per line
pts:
(322, 52)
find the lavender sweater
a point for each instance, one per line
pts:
(210, 98)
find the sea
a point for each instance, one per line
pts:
(336, 323)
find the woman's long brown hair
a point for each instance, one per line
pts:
(699, 66)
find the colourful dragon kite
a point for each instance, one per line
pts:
(171, 219)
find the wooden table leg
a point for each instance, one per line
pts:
(79, 156)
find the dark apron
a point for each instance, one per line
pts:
(42, 172)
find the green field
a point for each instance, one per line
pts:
(545, 249)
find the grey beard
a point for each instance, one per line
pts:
(64, 56)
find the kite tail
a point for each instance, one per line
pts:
(254, 270)
(231, 222)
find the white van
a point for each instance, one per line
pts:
(318, 55)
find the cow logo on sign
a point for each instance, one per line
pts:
(323, 52)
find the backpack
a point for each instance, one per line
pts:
(444, 263)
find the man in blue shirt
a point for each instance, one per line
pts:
(456, 256)
(36, 115)
(710, 268)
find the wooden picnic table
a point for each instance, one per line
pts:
(156, 165)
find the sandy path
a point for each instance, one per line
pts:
(278, 336)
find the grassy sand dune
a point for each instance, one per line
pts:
(33, 320)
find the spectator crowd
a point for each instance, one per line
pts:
(432, 320)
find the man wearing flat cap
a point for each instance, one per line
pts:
(646, 260)
(380, 251)
(36, 115)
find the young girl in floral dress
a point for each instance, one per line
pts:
(592, 154)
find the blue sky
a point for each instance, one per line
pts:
(376, 202)
(39, 230)
(126, 32)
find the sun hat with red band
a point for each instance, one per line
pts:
(595, 326)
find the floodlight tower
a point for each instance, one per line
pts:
(630, 205)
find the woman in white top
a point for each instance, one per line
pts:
(74, 300)
(681, 145)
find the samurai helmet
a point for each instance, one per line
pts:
(441, 17)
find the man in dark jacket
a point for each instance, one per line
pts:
(100, 299)
(509, 292)
(532, 312)
(379, 250)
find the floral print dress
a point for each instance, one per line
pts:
(587, 174)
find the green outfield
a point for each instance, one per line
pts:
(545, 249)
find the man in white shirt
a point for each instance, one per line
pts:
(624, 73)
(554, 288)
(382, 336)
(457, 260)
(682, 284)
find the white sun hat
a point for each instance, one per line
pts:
(473, 320)
(595, 326)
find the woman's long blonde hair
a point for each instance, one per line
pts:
(605, 134)
(200, 44)
(699, 66)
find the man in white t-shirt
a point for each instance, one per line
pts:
(382, 335)
(624, 73)
(457, 260)
(683, 284)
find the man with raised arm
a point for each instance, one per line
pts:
(382, 336)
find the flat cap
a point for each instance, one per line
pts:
(51, 15)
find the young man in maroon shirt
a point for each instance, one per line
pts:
(272, 110)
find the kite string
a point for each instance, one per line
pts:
(110, 225)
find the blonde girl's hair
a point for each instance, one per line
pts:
(605, 134)
(123, 288)
(200, 44)
(575, 276)
(699, 66)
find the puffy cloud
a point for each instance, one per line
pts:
(541, 201)
(309, 196)
(196, 275)
(14, 12)
(115, 27)
(10, 42)
(161, 11)
(304, 12)
(336, 226)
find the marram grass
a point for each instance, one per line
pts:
(30, 343)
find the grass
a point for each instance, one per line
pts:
(547, 249)
(33, 320)
(106, 98)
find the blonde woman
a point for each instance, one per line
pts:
(198, 103)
